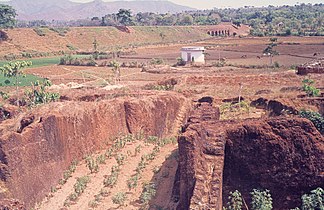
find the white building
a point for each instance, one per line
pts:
(193, 54)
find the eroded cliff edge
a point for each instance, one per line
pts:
(284, 155)
(38, 146)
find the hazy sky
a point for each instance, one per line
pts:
(208, 4)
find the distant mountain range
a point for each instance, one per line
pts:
(68, 10)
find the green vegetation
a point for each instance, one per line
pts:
(314, 200)
(24, 80)
(60, 31)
(111, 180)
(235, 201)
(302, 19)
(68, 173)
(315, 118)
(149, 191)
(156, 61)
(14, 70)
(40, 31)
(79, 187)
(261, 200)
(7, 16)
(269, 49)
(38, 94)
(92, 164)
(119, 198)
(309, 89)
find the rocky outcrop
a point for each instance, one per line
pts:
(34, 153)
(284, 155)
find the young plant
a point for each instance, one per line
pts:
(235, 201)
(101, 159)
(309, 89)
(119, 198)
(315, 118)
(138, 150)
(14, 69)
(120, 158)
(261, 200)
(313, 201)
(92, 164)
(149, 191)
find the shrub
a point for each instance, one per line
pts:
(60, 31)
(120, 158)
(110, 181)
(81, 184)
(92, 164)
(119, 198)
(149, 191)
(261, 200)
(310, 90)
(101, 159)
(156, 61)
(315, 118)
(313, 201)
(235, 201)
(133, 181)
(39, 31)
(38, 94)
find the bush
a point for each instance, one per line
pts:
(38, 94)
(119, 198)
(235, 201)
(313, 201)
(261, 200)
(81, 184)
(315, 118)
(92, 164)
(156, 61)
(310, 90)
(149, 191)
(39, 31)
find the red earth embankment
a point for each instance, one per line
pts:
(284, 155)
(35, 152)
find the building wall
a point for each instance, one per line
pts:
(199, 57)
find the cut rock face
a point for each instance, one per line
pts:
(284, 155)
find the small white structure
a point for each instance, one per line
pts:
(193, 54)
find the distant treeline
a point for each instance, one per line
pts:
(302, 19)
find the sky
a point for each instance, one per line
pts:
(209, 4)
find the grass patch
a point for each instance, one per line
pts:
(39, 62)
(24, 80)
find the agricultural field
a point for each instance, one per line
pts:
(137, 131)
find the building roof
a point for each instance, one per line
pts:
(192, 48)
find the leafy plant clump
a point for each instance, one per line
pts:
(235, 201)
(309, 89)
(38, 94)
(149, 191)
(315, 118)
(79, 188)
(92, 164)
(119, 198)
(261, 200)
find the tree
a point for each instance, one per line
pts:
(13, 69)
(186, 20)
(269, 49)
(125, 17)
(7, 16)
